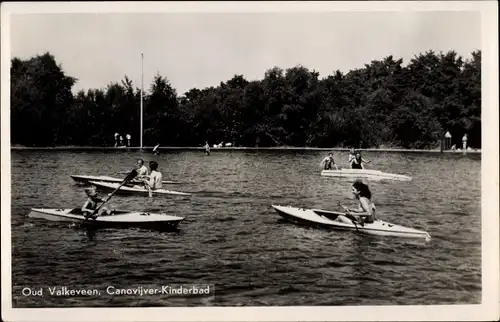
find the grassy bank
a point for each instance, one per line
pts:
(149, 148)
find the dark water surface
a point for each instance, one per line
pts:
(233, 239)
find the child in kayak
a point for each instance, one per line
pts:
(154, 180)
(357, 161)
(328, 162)
(366, 208)
(91, 204)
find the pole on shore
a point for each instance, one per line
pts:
(142, 87)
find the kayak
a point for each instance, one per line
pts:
(85, 179)
(365, 173)
(135, 189)
(338, 220)
(119, 219)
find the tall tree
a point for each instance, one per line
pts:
(382, 103)
(161, 113)
(41, 95)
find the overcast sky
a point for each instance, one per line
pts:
(202, 49)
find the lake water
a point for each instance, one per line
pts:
(234, 240)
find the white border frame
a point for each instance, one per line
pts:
(488, 310)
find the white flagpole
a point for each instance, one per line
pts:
(142, 86)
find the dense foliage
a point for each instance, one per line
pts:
(382, 104)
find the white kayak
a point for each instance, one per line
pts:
(135, 189)
(119, 219)
(365, 174)
(338, 220)
(87, 179)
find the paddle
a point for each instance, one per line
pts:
(350, 216)
(129, 177)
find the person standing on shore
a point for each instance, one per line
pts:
(116, 139)
(447, 137)
(207, 148)
(464, 142)
(128, 139)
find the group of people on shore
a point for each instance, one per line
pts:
(119, 140)
(355, 161)
(150, 178)
(447, 143)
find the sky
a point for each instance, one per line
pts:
(203, 49)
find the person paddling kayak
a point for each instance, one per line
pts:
(142, 171)
(91, 204)
(328, 162)
(366, 209)
(357, 161)
(154, 180)
(352, 155)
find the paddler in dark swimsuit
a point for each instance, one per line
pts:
(366, 206)
(357, 161)
(329, 162)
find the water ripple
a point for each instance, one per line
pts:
(233, 239)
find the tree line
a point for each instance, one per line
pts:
(383, 104)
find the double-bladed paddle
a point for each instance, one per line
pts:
(350, 216)
(129, 177)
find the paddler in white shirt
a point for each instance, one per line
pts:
(154, 180)
(328, 162)
(142, 171)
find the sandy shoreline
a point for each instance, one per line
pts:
(149, 149)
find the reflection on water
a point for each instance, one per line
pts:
(232, 238)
